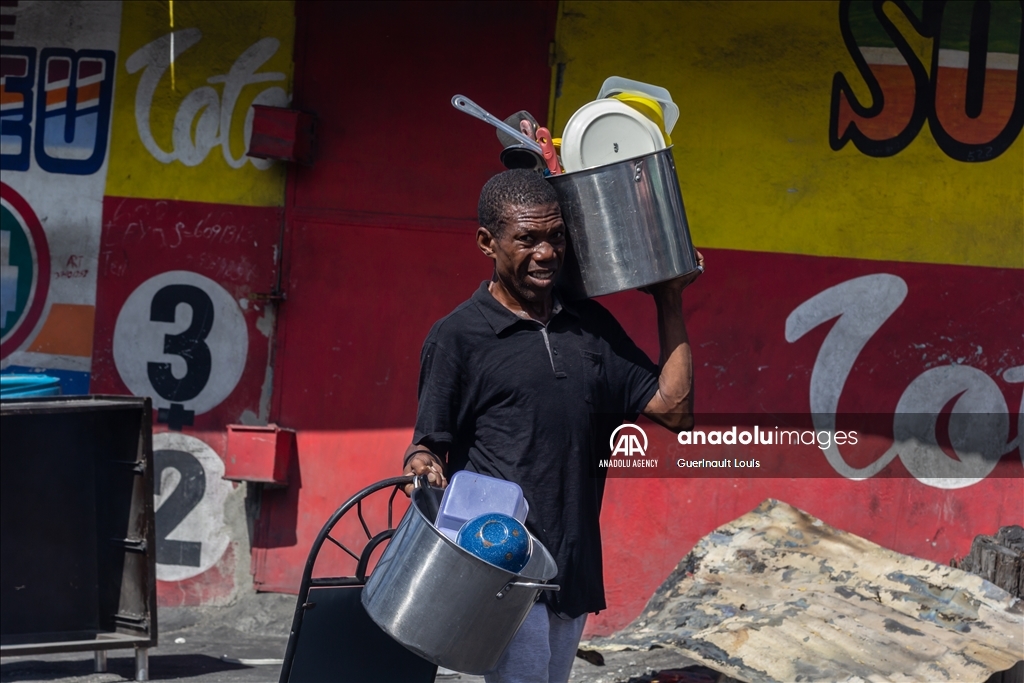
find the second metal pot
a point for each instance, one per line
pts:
(627, 226)
(445, 604)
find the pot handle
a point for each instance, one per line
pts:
(528, 584)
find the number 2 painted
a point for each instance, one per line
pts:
(183, 499)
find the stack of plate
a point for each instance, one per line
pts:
(605, 131)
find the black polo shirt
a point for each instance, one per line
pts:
(511, 398)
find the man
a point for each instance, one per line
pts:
(518, 384)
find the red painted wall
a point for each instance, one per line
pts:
(233, 248)
(231, 245)
(379, 239)
(736, 316)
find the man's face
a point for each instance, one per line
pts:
(529, 253)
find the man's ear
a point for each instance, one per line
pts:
(485, 242)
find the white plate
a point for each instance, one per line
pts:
(605, 131)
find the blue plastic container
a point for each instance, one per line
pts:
(26, 386)
(498, 539)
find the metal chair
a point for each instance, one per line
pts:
(332, 638)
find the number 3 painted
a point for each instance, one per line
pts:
(189, 345)
(182, 340)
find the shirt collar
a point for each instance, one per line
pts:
(500, 318)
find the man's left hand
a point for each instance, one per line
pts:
(423, 462)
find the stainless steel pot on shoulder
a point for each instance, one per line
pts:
(627, 226)
(445, 604)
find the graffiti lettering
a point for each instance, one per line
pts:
(897, 109)
(17, 75)
(978, 426)
(113, 265)
(972, 94)
(978, 107)
(222, 268)
(71, 274)
(73, 97)
(202, 110)
(145, 224)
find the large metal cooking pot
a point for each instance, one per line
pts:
(627, 227)
(444, 604)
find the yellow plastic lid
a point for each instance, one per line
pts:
(648, 107)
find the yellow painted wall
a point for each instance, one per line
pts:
(195, 138)
(753, 82)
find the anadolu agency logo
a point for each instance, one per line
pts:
(628, 444)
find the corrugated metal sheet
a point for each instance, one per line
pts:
(778, 595)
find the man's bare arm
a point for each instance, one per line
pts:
(672, 405)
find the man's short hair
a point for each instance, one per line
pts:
(515, 187)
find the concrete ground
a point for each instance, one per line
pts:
(241, 642)
(245, 643)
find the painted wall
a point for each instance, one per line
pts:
(858, 196)
(56, 103)
(854, 175)
(138, 237)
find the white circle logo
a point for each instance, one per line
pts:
(628, 443)
(181, 340)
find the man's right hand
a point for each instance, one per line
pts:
(425, 462)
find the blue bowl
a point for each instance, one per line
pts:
(497, 539)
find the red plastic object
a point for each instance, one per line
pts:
(283, 134)
(548, 148)
(259, 454)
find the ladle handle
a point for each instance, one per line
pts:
(464, 104)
